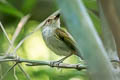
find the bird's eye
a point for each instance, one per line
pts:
(48, 20)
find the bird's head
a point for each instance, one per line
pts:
(53, 21)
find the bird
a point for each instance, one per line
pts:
(57, 39)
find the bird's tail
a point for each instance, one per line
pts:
(78, 53)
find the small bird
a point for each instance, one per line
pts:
(57, 39)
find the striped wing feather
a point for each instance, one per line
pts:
(65, 37)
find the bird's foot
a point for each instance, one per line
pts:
(55, 63)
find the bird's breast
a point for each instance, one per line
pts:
(56, 45)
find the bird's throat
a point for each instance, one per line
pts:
(48, 31)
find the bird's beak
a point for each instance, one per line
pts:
(57, 16)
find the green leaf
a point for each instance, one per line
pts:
(96, 22)
(7, 8)
(88, 42)
(28, 5)
(91, 4)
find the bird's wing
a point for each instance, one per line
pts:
(66, 38)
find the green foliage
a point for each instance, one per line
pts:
(28, 5)
(7, 8)
(91, 4)
(88, 42)
(96, 22)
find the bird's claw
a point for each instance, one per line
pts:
(55, 63)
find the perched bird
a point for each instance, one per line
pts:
(57, 39)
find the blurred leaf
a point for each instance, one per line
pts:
(96, 22)
(7, 8)
(108, 38)
(117, 6)
(111, 30)
(111, 14)
(91, 4)
(28, 5)
(88, 42)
